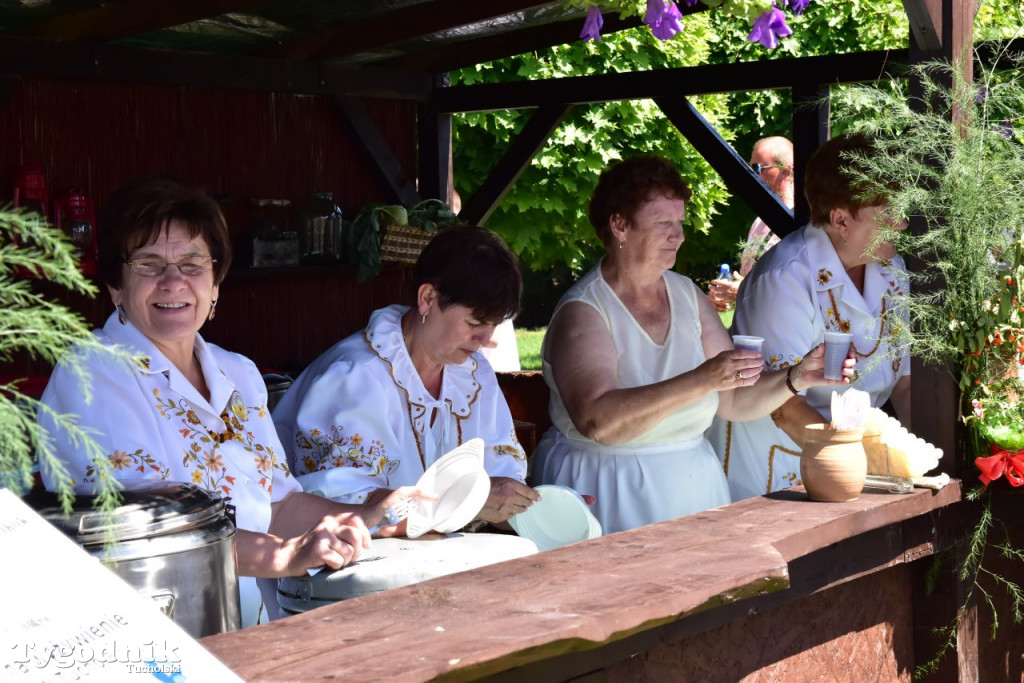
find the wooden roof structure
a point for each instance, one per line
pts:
(346, 50)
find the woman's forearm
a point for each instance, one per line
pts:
(299, 512)
(793, 416)
(258, 554)
(621, 415)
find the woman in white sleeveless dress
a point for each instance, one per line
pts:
(638, 364)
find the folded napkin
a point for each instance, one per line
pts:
(850, 409)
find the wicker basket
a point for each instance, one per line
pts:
(402, 244)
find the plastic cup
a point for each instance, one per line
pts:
(837, 348)
(747, 342)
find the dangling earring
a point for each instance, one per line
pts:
(213, 309)
(423, 319)
(120, 314)
(622, 244)
(845, 242)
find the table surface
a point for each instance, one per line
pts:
(569, 599)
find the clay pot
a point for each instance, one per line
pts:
(833, 464)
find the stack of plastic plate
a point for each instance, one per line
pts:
(559, 518)
(459, 480)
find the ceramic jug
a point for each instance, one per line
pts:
(833, 463)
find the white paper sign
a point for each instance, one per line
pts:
(65, 617)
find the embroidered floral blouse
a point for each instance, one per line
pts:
(153, 424)
(358, 418)
(802, 291)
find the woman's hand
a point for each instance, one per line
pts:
(731, 369)
(508, 497)
(811, 370)
(399, 502)
(330, 543)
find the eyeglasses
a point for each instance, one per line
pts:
(190, 266)
(759, 168)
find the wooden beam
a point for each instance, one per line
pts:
(517, 157)
(810, 131)
(924, 23)
(376, 150)
(687, 81)
(401, 24)
(434, 144)
(733, 168)
(458, 55)
(29, 57)
(122, 18)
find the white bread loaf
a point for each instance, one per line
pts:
(893, 451)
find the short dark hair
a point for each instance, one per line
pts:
(472, 267)
(137, 213)
(626, 185)
(828, 184)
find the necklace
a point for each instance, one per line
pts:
(881, 325)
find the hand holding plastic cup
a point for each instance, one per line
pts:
(747, 342)
(837, 349)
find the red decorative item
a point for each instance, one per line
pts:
(74, 214)
(30, 193)
(30, 190)
(999, 463)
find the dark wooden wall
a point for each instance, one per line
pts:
(237, 145)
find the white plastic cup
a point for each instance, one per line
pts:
(837, 348)
(747, 342)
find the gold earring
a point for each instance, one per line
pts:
(120, 314)
(423, 319)
(213, 309)
(622, 244)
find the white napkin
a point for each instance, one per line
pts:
(935, 483)
(850, 409)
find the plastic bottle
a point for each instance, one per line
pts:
(723, 272)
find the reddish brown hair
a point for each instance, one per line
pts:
(625, 186)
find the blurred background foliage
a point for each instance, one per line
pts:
(543, 217)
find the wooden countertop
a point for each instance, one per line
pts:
(571, 599)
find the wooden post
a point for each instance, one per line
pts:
(810, 131)
(943, 29)
(435, 141)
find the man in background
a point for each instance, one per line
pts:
(772, 159)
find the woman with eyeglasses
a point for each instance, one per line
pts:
(192, 411)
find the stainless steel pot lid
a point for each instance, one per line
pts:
(148, 508)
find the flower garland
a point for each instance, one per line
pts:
(663, 17)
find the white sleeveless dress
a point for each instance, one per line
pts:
(669, 471)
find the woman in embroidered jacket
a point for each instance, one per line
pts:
(638, 363)
(375, 410)
(832, 274)
(194, 412)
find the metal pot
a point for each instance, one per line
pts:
(169, 541)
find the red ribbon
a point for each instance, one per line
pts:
(999, 463)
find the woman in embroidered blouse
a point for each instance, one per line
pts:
(194, 412)
(832, 274)
(375, 410)
(638, 363)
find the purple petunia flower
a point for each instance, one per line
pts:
(798, 6)
(769, 27)
(1005, 128)
(592, 25)
(663, 18)
(982, 95)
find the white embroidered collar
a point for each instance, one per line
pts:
(459, 386)
(221, 387)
